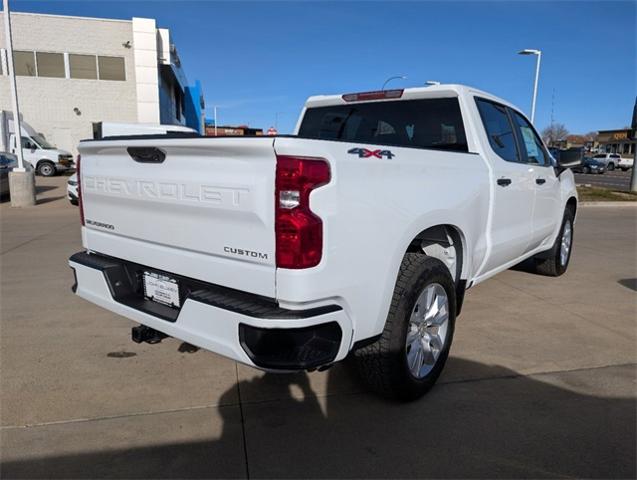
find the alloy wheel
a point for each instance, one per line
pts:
(427, 330)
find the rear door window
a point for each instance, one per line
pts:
(499, 129)
(427, 123)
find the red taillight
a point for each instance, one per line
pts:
(79, 188)
(299, 232)
(378, 95)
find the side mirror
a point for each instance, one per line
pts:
(565, 164)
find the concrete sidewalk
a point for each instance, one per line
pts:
(541, 381)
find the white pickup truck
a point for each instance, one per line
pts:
(356, 236)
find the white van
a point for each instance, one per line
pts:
(45, 158)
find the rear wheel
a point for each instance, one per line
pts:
(405, 362)
(555, 262)
(46, 169)
(611, 166)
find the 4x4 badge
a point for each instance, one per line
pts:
(365, 153)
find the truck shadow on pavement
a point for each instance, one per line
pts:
(480, 421)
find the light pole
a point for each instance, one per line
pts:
(395, 77)
(538, 53)
(215, 109)
(21, 181)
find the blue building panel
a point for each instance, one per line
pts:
(193, 107)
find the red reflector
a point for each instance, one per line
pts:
(378, 95)
(79, 188)
(299, 232)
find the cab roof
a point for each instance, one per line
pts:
(430, 91)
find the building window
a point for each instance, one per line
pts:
(24, 63)
(111, 68)
(50, 64)
(83, 66)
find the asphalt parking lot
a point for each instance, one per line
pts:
(541, 381)
(615, 180)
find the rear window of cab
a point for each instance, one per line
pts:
(434, 123)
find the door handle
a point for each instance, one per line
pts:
(503, 182)
(540, 181)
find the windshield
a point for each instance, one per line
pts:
(41, 141)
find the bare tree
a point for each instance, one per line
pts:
(554, 133)
(592, 136)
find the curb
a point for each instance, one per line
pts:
(627, 203)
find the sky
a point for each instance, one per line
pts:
(259, 61)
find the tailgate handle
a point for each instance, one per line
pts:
(146, 154)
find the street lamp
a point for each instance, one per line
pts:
(529, 51)
(395, 77)
(21, 180)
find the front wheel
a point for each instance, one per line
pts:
(555, 262)
(611, 166)
(407, 359)
(46, 169)
(586, 170)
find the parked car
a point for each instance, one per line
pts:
(71, 189)
(8, 162)
(626, 163)
(590, 165)
(357, 236)
(610, 160)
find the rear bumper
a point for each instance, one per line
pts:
(248, 328)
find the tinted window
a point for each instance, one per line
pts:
(83, 66)
(50, 64)
(600, 156)
(111, 68)
(530, 142)
(499, 129)
(428, 123)
(24, 63)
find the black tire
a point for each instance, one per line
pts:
(611, 166)
(75, 202)
(624, 169)
(586, 170)
(383, 364)
(46, 169)
(549, 263)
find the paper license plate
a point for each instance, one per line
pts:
(161, 289)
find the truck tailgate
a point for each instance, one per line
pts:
(205, 211)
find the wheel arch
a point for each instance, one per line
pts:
(43, 160)
(445, 235)
(441, 234)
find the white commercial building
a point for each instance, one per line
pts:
(74, 71)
